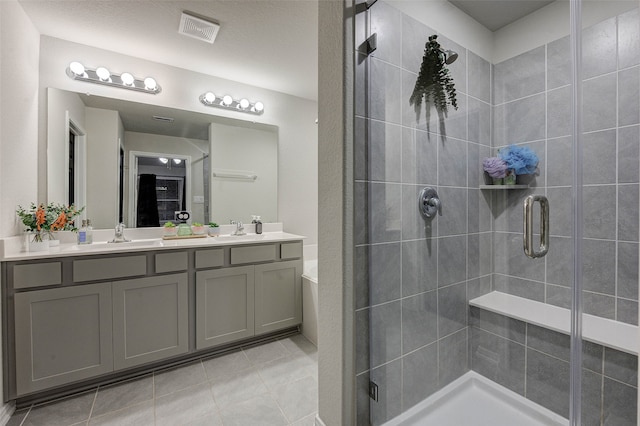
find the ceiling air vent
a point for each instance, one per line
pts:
(163, 119)
(198, 28)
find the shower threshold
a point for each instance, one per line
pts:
(474, 400)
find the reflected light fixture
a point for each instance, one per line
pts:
(177, 160)
(227, 102)
(102, 75)
(163, 160)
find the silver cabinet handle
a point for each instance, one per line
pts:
(528, 226)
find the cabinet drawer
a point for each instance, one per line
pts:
(209, 258)
(37, 274)
(104, 269)
(251, 254)
(291, 250)
(171, 262)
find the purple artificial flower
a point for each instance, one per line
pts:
(496, 167)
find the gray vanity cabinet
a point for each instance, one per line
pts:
(278, 297)
(150, 319)
(62, 335)
(224, 305)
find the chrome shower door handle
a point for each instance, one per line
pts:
(528, 226)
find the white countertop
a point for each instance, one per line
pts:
(12, 248)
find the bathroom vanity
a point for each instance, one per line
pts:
(75, 317)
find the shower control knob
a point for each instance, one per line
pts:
(429, 203)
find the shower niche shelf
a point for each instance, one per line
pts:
(496, 187)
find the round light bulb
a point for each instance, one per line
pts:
(163, 160)
(150, 83)
(177, 160)
(77, 68)
(227, 100)
(209, 97)
(258, 106)
(127, 79)
(244, 104)
(103, 73)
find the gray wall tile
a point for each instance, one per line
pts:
(478, 287)
(454, 211)
(559, 161)
(548, 342)
(386, 335)
(414, 37)
(384, 210)
(452, 163)
(533, 290)
(452, 309)
(559, 112)
(621, 366)
(628, 153)
(603, 224)
(419, 321)
(452, 252)
(599, 305)
(620, 404)
(479, 77)
(560, 261)
(499, 325)
(362, 340)
(411, 117)
(627, 311)
(599, 266)
(599, 48)
(558, 296)
(420, 375)
(384, 152)
(599, 103)
(454, 124)
(520, 76)
(509, 258)
(599, 157)
(453, 357)
(362, 276)
(628, 212)
(548, 382)
(389, 380)
(419, 266)
(384, 91)
(627, 270)
(560, 211)
(362, 399)
(629, 96)
(385, 21)
(498, 359)
(558, 63)
(628, 39)
(384, 279)
(522, 120)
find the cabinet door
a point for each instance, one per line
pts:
(224, 305)
(62, 335)
(150, 319)
(278, 296)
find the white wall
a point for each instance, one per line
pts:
(294, 117)
(103, 130)
(244, 149)
(19, 47)
(194, 148)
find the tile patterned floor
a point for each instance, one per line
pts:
(272, 384)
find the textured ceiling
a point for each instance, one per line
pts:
(495, 14)
(266, 43)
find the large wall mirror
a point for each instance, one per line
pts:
(138, 163)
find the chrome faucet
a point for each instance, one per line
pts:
(119, 234)
(239, 228)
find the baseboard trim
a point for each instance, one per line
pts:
(319, 421)
(6, 412)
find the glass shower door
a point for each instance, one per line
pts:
(451, 304)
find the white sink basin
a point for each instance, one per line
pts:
(114, 246)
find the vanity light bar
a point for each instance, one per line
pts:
(227, 102)
(101, 75)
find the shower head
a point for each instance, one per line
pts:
(450, 56)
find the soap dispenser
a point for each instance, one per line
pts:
(256, 220)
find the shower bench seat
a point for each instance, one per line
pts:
(603, 331)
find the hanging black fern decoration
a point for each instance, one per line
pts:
(434, 85)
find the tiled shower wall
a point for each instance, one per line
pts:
(414, 278)
(532, 107)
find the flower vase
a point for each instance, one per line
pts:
(37, 241)
(54, 239)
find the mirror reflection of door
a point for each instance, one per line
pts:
(161, 187)
(75, 164)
